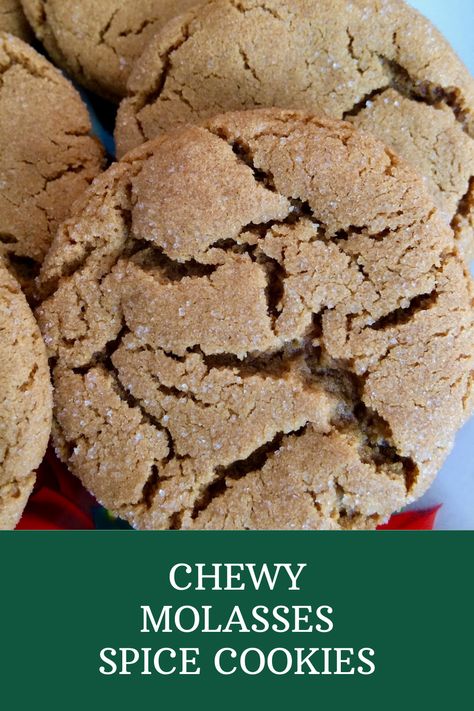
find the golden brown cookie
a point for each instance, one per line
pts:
(98, 42)
(47, 156)
(13, 20)
(379, 64)
(258, 323)
(25, 400)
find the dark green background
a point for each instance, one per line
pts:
(64, 596)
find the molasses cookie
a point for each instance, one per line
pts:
(379, 64)
(47, 155)
(266, 317)
(25, 400)
(98, 42)
(13, 20)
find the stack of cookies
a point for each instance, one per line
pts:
(261, 315)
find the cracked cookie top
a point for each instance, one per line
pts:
(98, 42)
(47, 156)
(377, 63)
(259, 322)
(25, 400)
(13, 20)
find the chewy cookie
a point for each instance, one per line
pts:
(47, 156)
(13, 20)
(265, 317)
(98, 42)
(25, 400)
(377, 63)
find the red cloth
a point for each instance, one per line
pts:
(412, 521)
(60, 502)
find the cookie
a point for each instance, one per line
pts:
(379, 64)
(266, 317)
(13, 20)
(47, 155)
(98, 42)
(25, 400)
